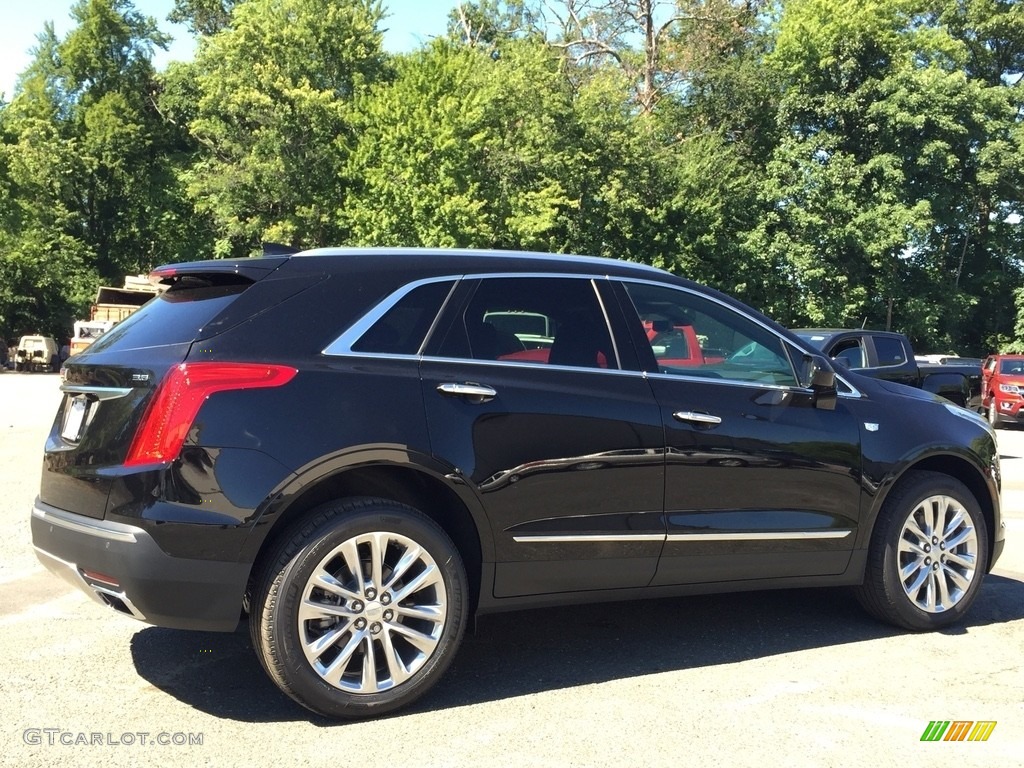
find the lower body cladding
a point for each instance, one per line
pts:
(123, 567)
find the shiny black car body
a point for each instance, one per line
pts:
(341, 442)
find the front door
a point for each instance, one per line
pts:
(760, 483)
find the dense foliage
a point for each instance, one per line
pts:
(833, 162)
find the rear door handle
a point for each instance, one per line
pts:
(693, 417)
(474, 393)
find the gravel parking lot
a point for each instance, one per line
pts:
(792, 678)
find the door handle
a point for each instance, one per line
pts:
(694, 417)
(474, 393)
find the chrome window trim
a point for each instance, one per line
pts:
(342, 345)
(607, 325)
(785, 340)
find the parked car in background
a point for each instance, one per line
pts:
(889, 356)
(1003, 386)
(342, 442)
(37, 353)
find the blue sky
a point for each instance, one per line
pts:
(410, 22)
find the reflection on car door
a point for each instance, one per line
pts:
(565, 450)
(759, 482)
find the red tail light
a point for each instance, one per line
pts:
(180, 396)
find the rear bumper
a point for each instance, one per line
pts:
(121, 566)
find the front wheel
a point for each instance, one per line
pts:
(361, 609)
(993, 415)
(928, 554)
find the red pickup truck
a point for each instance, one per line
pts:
(1003, 388)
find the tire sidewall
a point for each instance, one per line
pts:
(305, 684)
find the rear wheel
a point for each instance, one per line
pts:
(361, 610)
(928, 554)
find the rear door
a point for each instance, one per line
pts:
(560, 437)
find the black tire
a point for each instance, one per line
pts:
(408, 618)
(928, 554)
(993, 416)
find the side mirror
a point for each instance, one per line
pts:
(818, 376)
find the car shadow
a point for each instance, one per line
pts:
(516, 654)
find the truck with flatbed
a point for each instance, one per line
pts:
(112, 305)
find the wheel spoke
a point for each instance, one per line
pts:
(350, 552)
(943, 599)
(332, 674)
(427, 577)
(912, 547)
(408, 559)
(311, 610)
(421, 640)
(966, 534)
(963, 560)
(425, 612)
(929, 591)
(328, 583)
(378, 547)
(953, 524)
(396, 667)
(915, 587)
(928, 507)
(368, 681)
(319, 645)
(957, 578)
(913, 528)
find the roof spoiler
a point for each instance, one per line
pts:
(250, 270)
(279, 249)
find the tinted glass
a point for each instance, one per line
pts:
(850, 352)
(401, 330)
(174, 317)
(555, 321)
(694, 336)
(889, 351)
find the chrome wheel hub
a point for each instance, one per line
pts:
(938, 551)
(372, 613)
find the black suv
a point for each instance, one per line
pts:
(364, 448)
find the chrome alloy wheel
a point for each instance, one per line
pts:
(938, 554)
(372, 612)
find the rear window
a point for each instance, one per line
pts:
(174, 317)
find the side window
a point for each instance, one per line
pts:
(851, 352)
(402, 328)
(693, 336)
(889, 351)
(535, 320)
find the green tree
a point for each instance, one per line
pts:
(895, 170)
(464, 150)
(275, 92)
(93, 192)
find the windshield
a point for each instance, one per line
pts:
(1012, 365)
